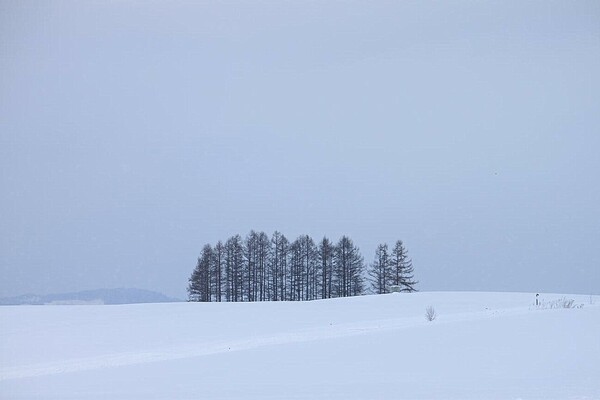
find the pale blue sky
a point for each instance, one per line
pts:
(131, 133)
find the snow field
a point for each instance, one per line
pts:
(481, 346)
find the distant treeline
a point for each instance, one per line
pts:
(259, 268)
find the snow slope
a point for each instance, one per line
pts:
(482, 346)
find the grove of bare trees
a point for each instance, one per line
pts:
(259, 268)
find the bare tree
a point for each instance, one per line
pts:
(217, 270)
(380, 271)
(234, 265)
(296, 273)
(402, 269)
(325, 252)
(279, 271)
(348, 269)
(199, 288)
(263, 250)
(308, 267)
(250, 275)
(195, 283)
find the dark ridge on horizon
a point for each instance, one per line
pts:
(96, 296)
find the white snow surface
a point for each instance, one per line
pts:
(481, 346)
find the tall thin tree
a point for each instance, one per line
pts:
(380, 270)
(325, 252)
(402, 268)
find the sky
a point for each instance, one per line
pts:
(134, 132)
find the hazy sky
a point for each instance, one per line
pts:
(134, 132)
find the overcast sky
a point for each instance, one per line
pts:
(132, 133)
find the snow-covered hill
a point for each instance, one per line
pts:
(87, 297)
(481, 346)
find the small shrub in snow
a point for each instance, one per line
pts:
(563, 302)
(567, 303)
(430, 313)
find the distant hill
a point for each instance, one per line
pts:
(99, 296)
